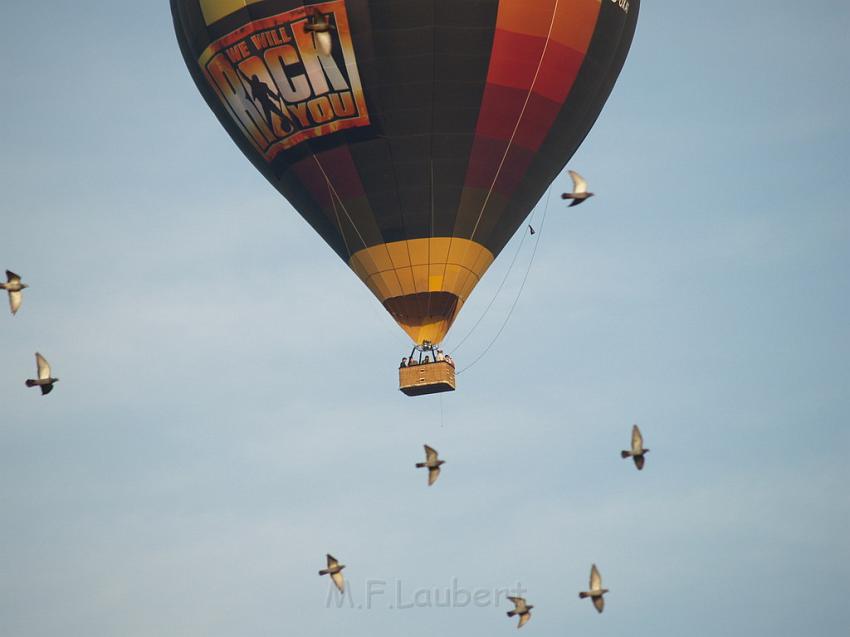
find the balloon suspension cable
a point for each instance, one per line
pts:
(333, 193)
(338, 223)
(339, 199)
(496, 294)
(521, 287)
(518, 121)
(501, 165)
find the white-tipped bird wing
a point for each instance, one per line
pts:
(579, 184)
(637, 440)
(595, 579)
(43, 367)
(430, 454)
(15, 299)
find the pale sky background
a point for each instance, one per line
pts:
(228, 409)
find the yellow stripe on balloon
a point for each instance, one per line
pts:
(423, 283)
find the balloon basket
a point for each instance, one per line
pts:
(426, 378)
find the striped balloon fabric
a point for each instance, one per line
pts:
(414, 136)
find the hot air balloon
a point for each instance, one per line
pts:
(414, 136)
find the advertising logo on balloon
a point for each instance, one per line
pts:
(289, 77)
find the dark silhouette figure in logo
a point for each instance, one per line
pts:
(261, 92)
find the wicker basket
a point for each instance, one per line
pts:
(428, 378)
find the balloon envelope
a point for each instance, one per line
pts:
(421, 142)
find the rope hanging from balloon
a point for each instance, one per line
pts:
(339, 199)
(455, 349)
(338, 222)
(521, 287)
(518, 121)
(333, 193)
(515, 131)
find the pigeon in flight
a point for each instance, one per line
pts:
(432, 463)
(522, 609)
(334, 569)
(530, 229)
(579, 193)
(596, 591)
(637, 451)
(45, 381)
(13, 286)
(321, 28)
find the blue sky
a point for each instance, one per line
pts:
(227, 410)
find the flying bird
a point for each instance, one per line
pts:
(530, 229)
(432, 462)
(637, 451)
(579, 193)
(596, 591)
(13, 286)
(334, 569)
(321, 28)
(522, 609)
(45, 381)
